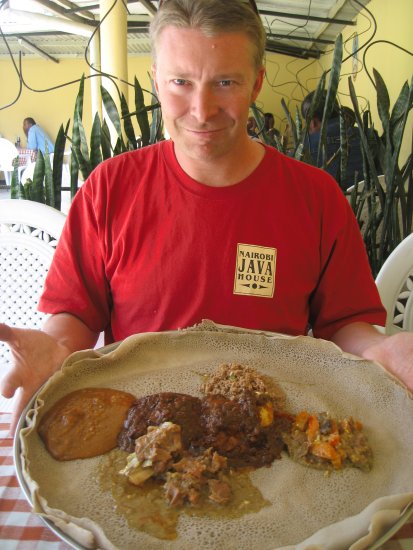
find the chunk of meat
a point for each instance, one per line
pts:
(154, 452)
(233, 428)
(195, 475)
(152, 410)
(158, 446)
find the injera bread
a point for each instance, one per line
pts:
(348, 509)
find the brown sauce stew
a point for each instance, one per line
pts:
(84, 423)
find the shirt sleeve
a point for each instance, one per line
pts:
(76, 282)
(346, 291)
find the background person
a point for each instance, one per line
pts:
(215, 225)
(36, 136)
(252, 127)
(354, 170)
(269, 125)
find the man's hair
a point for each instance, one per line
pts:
(319, 108)
(212, 17)
(30, 121)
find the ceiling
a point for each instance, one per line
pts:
(57, 29)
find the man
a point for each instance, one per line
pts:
(354, 166)
(36, 136)
(210, 224)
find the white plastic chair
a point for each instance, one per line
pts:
(8, 152)
(395, 284)
(29, 232)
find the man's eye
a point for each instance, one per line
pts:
(225, 83)
(179, 81)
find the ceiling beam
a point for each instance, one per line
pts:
(294, 51)
(55, 8)
(74, 7)
(332, 13)
(149, 6)
(35, 49)
(299, 38)
(307, 17)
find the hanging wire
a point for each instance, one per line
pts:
(17, 69)
(98, 73)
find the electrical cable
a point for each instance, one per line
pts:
(382, 42)
(113, 78)
(16, 69)
(299, 85)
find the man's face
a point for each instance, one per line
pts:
(205, 87)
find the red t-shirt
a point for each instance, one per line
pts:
(147, 248)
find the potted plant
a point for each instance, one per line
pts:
(46, 185)
(383, 203)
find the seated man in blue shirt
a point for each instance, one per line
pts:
(36, 136)
(354, 168)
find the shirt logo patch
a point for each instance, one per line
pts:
(255, 270)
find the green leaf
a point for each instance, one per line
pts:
(127, 123)
(156, 124)
(75, 140)
(59, 151)
(105, 141)
(95, 143)
(142, 114)
(48, 179)
(298, 123)
(383, 100)
(291, 123)
(14, 183)
(84, 164)
(404, 105)
(363, 137)
(399, 107)
(37, 192)
(111, 110)
(330, 97)
(84, 148)
(119, 148)
(344, 147)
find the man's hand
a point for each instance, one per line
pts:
(394, 352)
(37, 356)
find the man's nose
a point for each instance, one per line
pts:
(204, 104)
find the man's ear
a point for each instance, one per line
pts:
(258, 84)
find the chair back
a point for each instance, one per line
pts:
(395, 284)
(29, 232)
(8, 152)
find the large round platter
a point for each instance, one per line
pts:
(349, 509)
